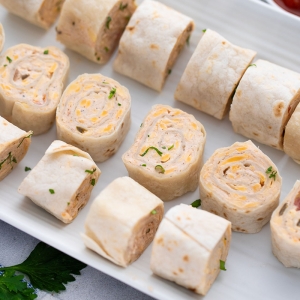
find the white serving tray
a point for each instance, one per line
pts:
(252, 271)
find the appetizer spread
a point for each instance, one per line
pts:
(151, 43)
(241, 184)
(212, 74)
(285, 229)
(167, 152)
(291, 141)
(190, 247)
(62, 181)
(93, 28)
(2, 37)
(94, 115)
(122, 221)
(42, 13)
(31, 84)
(14, 144)
(264, 100)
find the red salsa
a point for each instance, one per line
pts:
(292, 6)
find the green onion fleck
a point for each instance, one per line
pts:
(119, 104)
(108, 20)
(170, 71)
(5, 66)
(143, 165)
(9, 59)
(252, 65)
(122, 7)
(26, 137)
(46, 52)
(222, 265)
(164, 147)
(153, 212)
(196, 203)
(27, 169)
(106, 49)
(141, 124)
(159, 169)
(14, 160)
(51, 191)
(158, 152)
(112, 93)
(171, 147)
(203, 30)
(91, 172)
(93, 182)
(68, 203)
(188, 40)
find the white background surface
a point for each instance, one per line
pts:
(252, 270)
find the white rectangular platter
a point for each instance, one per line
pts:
(252, 271)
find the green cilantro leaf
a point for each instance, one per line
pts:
(112, 93)
(47, 268)
(196, 203)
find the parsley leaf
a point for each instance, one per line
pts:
(112, 93)
(48, 268)
(196, 203)
(12, 287)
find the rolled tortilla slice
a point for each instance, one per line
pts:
(31, 84)
(14, 144)
(151, 43)
(94, 115)
(2, 37)
(241, 184)
(189, 246)
(62, 181)
(122, 221)
(93, 28)
(167, 152)
(291, 141)
(265, 99)
(42, 13)
(212, 74)
(285, 229)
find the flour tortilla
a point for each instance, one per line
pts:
(42, 13)
(100, 134)
(14, 144)
(181, 139)
(31, 85)
(63, 170)
(93, 27)
(264, 102)
(285, 229)
(212, 74)
(122, 221)
(188, 247)
(234, 185)
(151, 43)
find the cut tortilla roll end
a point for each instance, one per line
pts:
(190, 247)
(62, 182)
(14, 144)
(212, 74)
(241, 184)
(285, 229)
(122, 221)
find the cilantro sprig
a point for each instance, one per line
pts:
(47, 268)
(12, 287)
(271, 173)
